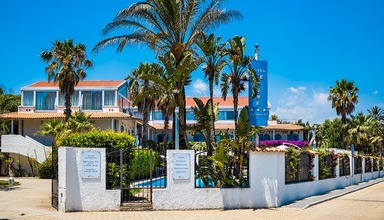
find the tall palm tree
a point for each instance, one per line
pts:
(67, 64)
(163, 88)
(344, 98)
(137, 86)
(376, 113)
(241, 71)
(168, 27)
(214, 62)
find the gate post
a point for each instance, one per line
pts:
(121, 177)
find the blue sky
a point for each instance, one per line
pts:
(308, 44)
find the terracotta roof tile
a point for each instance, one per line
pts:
(87, 83)
(268, 149)
(243, 101)
(290, 127)
(49, 115)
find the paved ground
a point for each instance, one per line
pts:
(31, 201)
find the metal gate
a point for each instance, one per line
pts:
(132, 173)
(55, 179)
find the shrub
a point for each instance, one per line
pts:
(45, 169)
(139, 166)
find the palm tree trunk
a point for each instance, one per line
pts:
(166, 125)
(343, 130)
(235, 104)
(213, 134)
(145, 129)
(183, 121)
(68, 105)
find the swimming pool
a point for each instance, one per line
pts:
(162, 183)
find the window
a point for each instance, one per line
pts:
(123, 91)
(157, 116)
(45, 100)
(190, 115)
(277, 137)
(28, 98)
(109, 98)
(226, 115)
(74, 99)
(92, 100)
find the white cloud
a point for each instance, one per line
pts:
(200, 87)
(300, 89)
(298, 103)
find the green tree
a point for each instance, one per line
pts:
(241, 71)
(8, 103)
(213, 59)
(79, 122)
(376, 113)
(168, 27)
(138, 85)
(344, 98)
(67, 64)
(55, 128)
(203, 115)
(359, 127)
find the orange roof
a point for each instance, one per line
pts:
(289, 127)
(268, 149)
(49, 115)
(243, 101)
(87, 83)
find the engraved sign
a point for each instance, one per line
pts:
(181, 166)
(90, 161)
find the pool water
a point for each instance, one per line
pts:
(162, 182)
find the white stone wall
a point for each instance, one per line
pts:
(267, 186)
(79, 194)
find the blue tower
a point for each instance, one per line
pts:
(258, 106)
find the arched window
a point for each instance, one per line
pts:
(277, 137)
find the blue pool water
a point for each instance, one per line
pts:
(162, 182)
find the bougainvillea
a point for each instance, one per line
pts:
(281, 142)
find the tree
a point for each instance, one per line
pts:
(241, 71)
(344, 98)
(168, 27)
(163, 88)
(376, 113)
(8, 103)
(79, 122)
(55, 128)
(67, 64)
(203, 115)
(359, 129)
(214, 62)
(138, 85)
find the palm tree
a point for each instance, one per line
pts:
(79, 122)
(376, 113)
(214, 63)
(67, 64)
(343, 97)
(55, 128)
(138, 86)
(241, 71)
(168, 27)
(359, 129)
(163, 88)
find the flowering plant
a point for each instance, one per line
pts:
(275, 143)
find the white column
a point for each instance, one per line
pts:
(273, 135)
(113, 125)
(12, 126)
(135, 129)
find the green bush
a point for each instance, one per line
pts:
(46, 169)
(139, 166)
(100, 139)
